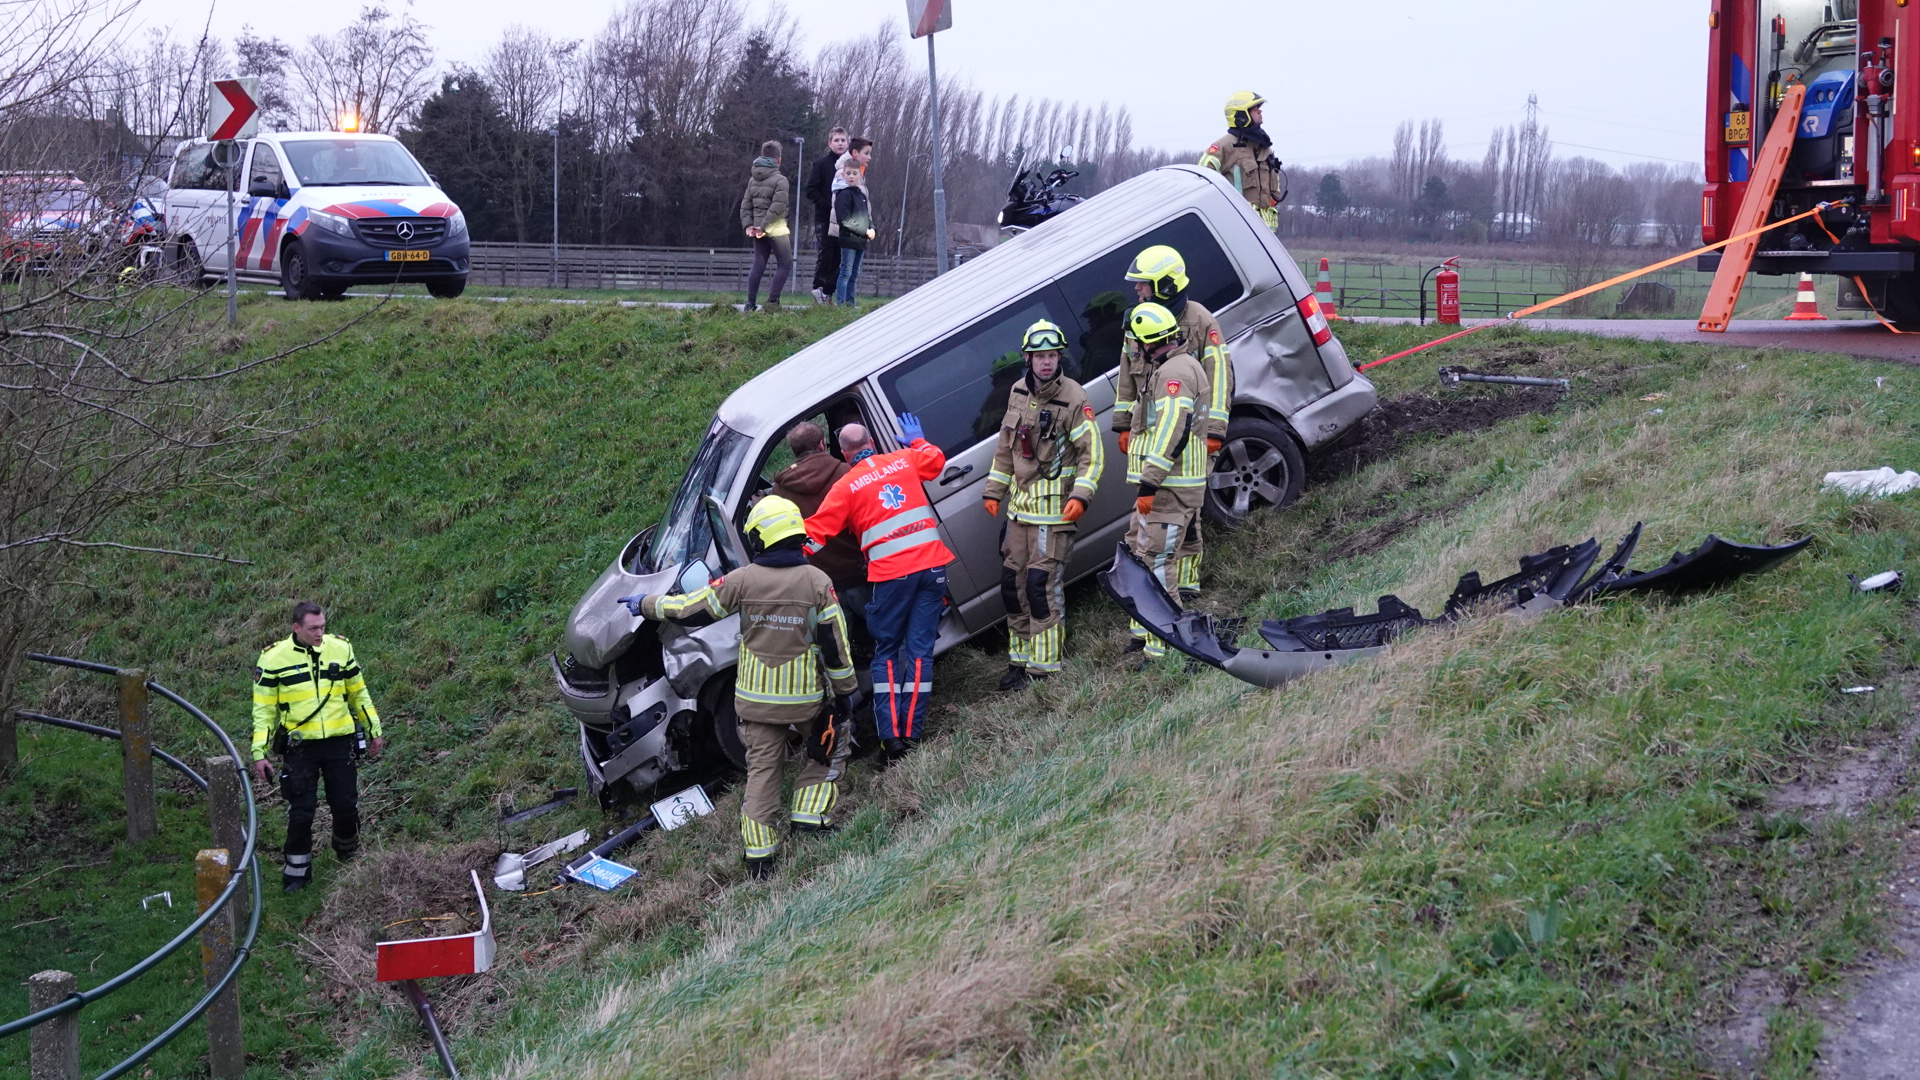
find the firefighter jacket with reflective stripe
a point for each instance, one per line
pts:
(884, 502)
(1200, 337)
(313, 693)
(1172, 452)
(790, 626)
(1049, 451)
(1245, 163)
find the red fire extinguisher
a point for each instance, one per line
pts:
(1446, 286)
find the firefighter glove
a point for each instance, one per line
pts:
(1214, 444)
(633, 602)
(1126, 437)
(993, 507)
(1143, 505)
(910, 427)
(1075, 507)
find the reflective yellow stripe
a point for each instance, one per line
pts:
(813, 805)
(761, 842)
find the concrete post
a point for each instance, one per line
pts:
(55, 1054)
(136, 756)
(228, 803)
(228, 1056)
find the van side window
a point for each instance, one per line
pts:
(1101, 296)
(958, 388)
(264, 167)
(191, 167)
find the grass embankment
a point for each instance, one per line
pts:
(1505, 850)
(476, 466)
(1116, 875)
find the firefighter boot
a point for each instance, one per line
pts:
(1016, 678)
(763, 869)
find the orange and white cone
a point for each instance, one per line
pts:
(1806, 307)
(1323, 292)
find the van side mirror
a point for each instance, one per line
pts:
(262, 188)
(694, 578)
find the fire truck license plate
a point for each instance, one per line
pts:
(407, 256)
(1739, 127)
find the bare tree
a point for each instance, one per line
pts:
(111, 395)
(371, 76)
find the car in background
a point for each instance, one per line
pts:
(45, 219)
(319, 211)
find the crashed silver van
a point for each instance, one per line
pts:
(655, 698)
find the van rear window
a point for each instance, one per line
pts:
(958, 388)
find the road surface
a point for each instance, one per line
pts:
(1846, 337)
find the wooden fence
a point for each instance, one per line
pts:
(585, 266)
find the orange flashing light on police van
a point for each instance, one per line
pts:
(349, 121)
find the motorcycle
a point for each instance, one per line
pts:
(1033, 201)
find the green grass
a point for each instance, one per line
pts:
(1502, 851)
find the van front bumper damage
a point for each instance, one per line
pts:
(1553, 579)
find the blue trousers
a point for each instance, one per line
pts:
(904, 619)
(848, 289)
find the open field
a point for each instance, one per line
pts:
(1504, 851)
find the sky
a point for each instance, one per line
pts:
(1620, 81)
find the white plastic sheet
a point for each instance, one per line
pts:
(1874, 483)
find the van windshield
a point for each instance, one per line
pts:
(684, 533)
(339, 162)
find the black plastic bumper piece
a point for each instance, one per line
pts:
(1714, 563)
(1823, 262)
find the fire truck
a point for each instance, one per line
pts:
(1856, 143)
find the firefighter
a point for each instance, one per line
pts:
(1046, 467)
(1245, 156)
(791, 626)
(884, 502)
(1173, 458)
(1159, 274)
(311, 706)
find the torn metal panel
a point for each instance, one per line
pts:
(1714, 563)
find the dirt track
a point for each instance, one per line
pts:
(1869, 340)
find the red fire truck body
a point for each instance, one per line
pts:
(1857, 143)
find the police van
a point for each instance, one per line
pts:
(318, 211)
(653, 698)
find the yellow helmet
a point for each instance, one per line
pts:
(774, 519)
(1240, 106)
(1043, 336)
(1163, 268)
(1150, 324)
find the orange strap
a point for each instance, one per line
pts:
(1607, 284)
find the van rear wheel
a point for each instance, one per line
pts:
(1903, 302)
(1260, 465)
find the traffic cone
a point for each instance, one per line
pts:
(1806, 307)
(1323, 292)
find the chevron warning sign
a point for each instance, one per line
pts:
(233, 108)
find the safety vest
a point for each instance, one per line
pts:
(1172, 452)
(1049, 451)
(884, 502)
(313, 693)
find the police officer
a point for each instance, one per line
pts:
(791, 626)
(1046, 466)
(883, 501)
(1173, 457)
(1245, 156)
(310, 704)
(1159, 274)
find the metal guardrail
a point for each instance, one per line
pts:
(669, 269)
(246, 869)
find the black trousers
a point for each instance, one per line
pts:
(307, 766)
(826, 268)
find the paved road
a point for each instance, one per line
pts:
(1849, 337)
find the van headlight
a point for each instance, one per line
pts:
(333, 223)
(457, 224)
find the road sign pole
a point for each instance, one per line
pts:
(233, 288)
(939, 187)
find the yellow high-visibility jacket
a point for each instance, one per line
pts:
(313, 693)
(1172, 452)
(1200, 339)
(1049, 451)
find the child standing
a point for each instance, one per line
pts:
(852, 225)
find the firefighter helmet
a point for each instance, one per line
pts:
(1150, 324)
(1043, 336)
(772, 520)
(1240, 106)
(1163, 268)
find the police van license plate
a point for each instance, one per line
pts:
(407, 256)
